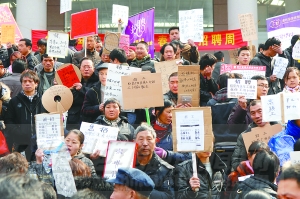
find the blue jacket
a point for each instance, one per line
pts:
(283, 143)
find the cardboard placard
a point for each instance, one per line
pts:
(191, 25)
(242, 87)
(142, 90)
(248, 71)
(84, 23)
(119, 154)
(124, 43)
(119, 12)
(248, 27)
(111, 41)
(67, 75)
(97, 137)
(57, 44)
(192, 129)
(62, 173)
(57, 98)
(283, 106)
(49, 129)
(296, 51)
(65, 5)
(189, 82)
(280, 66)
(166, 68)
(262, 134)
(8, 32)
(233, 55)
(113, 88)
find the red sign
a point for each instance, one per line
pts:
(84, 23)
(222, 40)
(36, 35)
(68, 76)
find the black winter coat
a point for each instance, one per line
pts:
(253, 183)
(207, 86)
(4, 57)
(209, 187)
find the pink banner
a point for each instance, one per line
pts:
(6, 17)
(247, 71)
(124, 43)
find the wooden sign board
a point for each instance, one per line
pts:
(262, 134)
(192, 129)
(142, 90)
(189, 83)
(119, 154)
(111, 41)
(67, 75)
(166, 68)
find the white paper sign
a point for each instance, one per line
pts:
(119, 154)
(295, 157)
(280, 65)
(96, 136)
(62, 173)
(65, 5)
(48, 130)
(248, 71)
(272, 108)
(291, 104)
(113, 88)
(296, 51)
(57, 44)
(242, 87)
(190, 131)
(191, 25)
(120, 12)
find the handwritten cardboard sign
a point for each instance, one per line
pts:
(142, 90)
(283, 106)
(84, 23)
(65, 5)
(57, 44)
(280, 65)
(166, 68)
(124, 43)
(247, 71)
(248, 27)
(262, 134)
(189, 83)
(119, 154)
(113, 88)
(191, 25)
(49, 129)
(111, 41)
(8, 32)
(295, 157)
(242, 87)
(192, 129)
(97, 137)
(296, 51)
(62, 173)
(119, 13)
(67, 75)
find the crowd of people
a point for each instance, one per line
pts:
(263, 170)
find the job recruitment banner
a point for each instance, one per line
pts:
(141, 28)
(284, 27)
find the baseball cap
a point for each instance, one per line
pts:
(134, 179)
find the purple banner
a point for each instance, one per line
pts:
(283, 21)
(140, 27)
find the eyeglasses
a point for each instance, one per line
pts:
(263, 85)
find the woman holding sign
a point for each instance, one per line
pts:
(164, 141)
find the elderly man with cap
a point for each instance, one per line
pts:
(93, 100)
(131, 183)
(147, 161)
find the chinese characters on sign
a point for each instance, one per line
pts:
(68, 76)
(280, 65)
(119, 154)
(246, 71)
(120, 12)
(97, 137)
(296, 50)
(191, 25)
(57, 44)
(166, 68)
(242, 87)
(272, 108)
(248, 27)
(8, 33)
